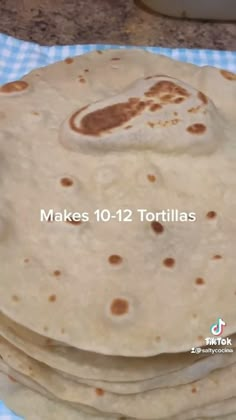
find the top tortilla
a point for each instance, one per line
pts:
(118, 288)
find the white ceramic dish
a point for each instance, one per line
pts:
(195, 9)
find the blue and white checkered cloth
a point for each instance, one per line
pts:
(17, 58)
(6, 414)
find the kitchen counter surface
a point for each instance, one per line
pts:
(108, 21)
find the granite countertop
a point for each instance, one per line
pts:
(108, 21)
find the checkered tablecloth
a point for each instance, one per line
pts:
(17, 58)
(6, 414)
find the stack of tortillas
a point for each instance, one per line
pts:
(98, 318)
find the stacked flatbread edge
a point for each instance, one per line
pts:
(98, 318)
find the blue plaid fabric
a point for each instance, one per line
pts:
(17, 58)
(6, 414)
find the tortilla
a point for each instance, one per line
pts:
(132, 289)
(98, 370)
(92, 366)
(39, 405)
(165, 370)
(16, 383)
(116, 374)
(156, 404)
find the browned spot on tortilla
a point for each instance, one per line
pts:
(157, 338)
(151, 178)
(99, 51)
(157, 227)
(82, 80)
(100, 392)
(119, 307)
(66, 182)
(200, 281)
(194, 390)
(17, 86)
(149, 102)
(105, 119)
(57, 273)
(196, 128)
(86, 70)
(169, 262)
(211, 214)
(178, 100)
(63, 330)
(155, 107)
(69, 60)
(15, 298)
(26, 260)
(128, 127)
(115, 59)
(202, 97)
(52, 298)
(200, 338)
(72, 118)
(164, 88)
(115, 259)
(11, 378)
(217, 257)
(49, 342)
(168, 123)
(166, 98)
(134, 99)
(149, 77)
(228, 75)
(175, 121)
(194, 315)
(175, 114)
(45, 329)
(151, 124)
(195, 109)
(35, 113)
(74, 222)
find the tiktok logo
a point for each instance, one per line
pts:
(217, 329)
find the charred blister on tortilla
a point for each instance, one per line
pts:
(144, 108)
